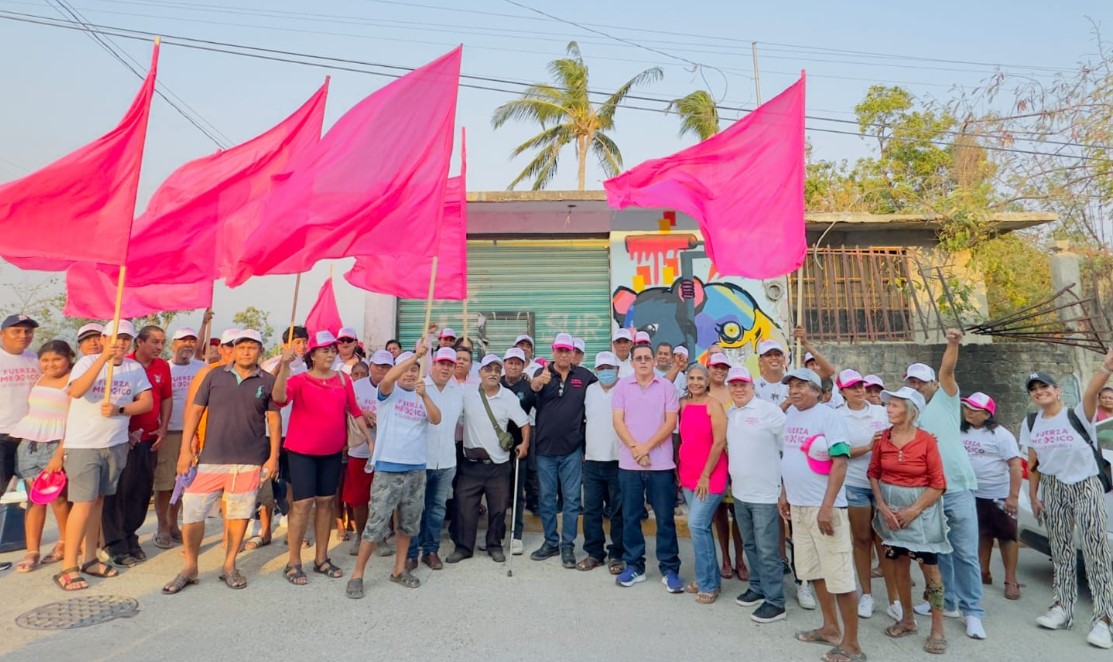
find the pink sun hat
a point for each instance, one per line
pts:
(816, 451)
(46, 487)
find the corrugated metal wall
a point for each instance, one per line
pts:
(540, 287)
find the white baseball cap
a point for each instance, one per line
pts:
(578, 344)
(382, 357)
(642, 338)
(445, 354)
(347, 332)
(905, 393)
(488, 360)
(251, 334)
(524, 337)
(622, 334)
(848, 378)
(680, 349)
(125, 328)
(766, 346)
(718, 359)
(229, 336)
(563, 341)
(606, 358)
(514, 353)
(808, 356)
(920, 371)
(93, 329)
(403, 357)
(448, 332)
(739, 374)
(321, 339)
(803, 374)
(873, 380)
(184, 332)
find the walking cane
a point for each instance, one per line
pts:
(513, 517)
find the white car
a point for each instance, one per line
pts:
(1032, 533)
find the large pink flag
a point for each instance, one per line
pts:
(377, 173)
(408, 276)
(325, 315)
(175, 241)
(92, 293)
(81, 206)
(744, 186)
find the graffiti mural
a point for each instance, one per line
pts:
(664, 284)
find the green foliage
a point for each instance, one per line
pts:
(254, 318)
(567, 116)
(699, 116)
(1017, 272)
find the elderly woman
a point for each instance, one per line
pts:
(996, 461)
(1067, 494)
(703, 475)
(906, 474)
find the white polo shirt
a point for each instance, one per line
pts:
(440, 439)
(755, 433)
(602, 440)
(478, 431)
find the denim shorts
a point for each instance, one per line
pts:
(859, 497)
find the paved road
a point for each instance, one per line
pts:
(474, 611)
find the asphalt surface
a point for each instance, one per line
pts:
(473, 610)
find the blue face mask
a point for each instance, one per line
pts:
(607, 377)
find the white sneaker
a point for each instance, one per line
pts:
(895, 611)
(805, 595)
(865, 606)
(516, 547)
(1100, 636)
(1054, 619)
(975, 630)
(924, 609)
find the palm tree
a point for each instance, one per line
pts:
(698, 114)
(567, 116)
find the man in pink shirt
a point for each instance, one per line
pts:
(644, 408)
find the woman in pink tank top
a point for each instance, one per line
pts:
(703, 475)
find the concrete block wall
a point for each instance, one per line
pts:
(998, 369)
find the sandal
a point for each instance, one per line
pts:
(163, 541)
(295, 575)
(107, 573)
(1012, 590)
(876, 572)
(589, 563)
(234, 579)
(30, 562)
(176, 536)
(840, 654)
(726, 572)
(742, 572)
(935, 646)
(692, 587)
(814, 637)
(896, 631)
(406, 579)
(70, 579)
(255, 542)
(56, 554)
(707, 598)
(328, 568)
(987, 579)
(616, 566)
(354, 589)
(177, 584)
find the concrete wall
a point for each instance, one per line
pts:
(998, 369)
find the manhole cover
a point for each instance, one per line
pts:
(78, 612)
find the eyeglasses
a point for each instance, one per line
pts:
(346, 340)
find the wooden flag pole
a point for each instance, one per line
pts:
(464, 317)
(115, 331)
(289, 339)
(429, 308)
(798, 358)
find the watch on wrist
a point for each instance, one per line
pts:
(120, 411)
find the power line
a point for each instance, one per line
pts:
(348, 64)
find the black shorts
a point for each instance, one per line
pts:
(313, 475)
(927, 558)
(8, 447)
(993, 522)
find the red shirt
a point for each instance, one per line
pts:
(158, 373)
(916, 464)
(318, 418)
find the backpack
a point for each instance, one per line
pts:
(1105, 475)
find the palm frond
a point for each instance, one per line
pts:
(561, 133)
(698, 113)
(541, 169)
(608, 108)
(535, 110)
(604, 149)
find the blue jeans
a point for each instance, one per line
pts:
(568, 469)
(760, 526)
(437, 484)
(601, 485)
(659, 488)
(962, 572)
(700, 514)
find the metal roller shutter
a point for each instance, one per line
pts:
(540, 287)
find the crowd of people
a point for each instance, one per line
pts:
(811, 472)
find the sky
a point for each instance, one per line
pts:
(63, 90)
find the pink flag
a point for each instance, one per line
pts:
(324, 316)
(377, 173)
(744, 186)
(176, 238)
(408, 276)
(81, 206)
(92, 293)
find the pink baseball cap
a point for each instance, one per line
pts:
(816, 451)
(680, 349)
(448, 332)
(739, 374)
(848, 378)
(873, 380)
(766, 346)
(564, 341)
(981, 401)
(641, 338)
(347, 332)
(718, 359)
(321, 339)
(445, 354)
(46, 487)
